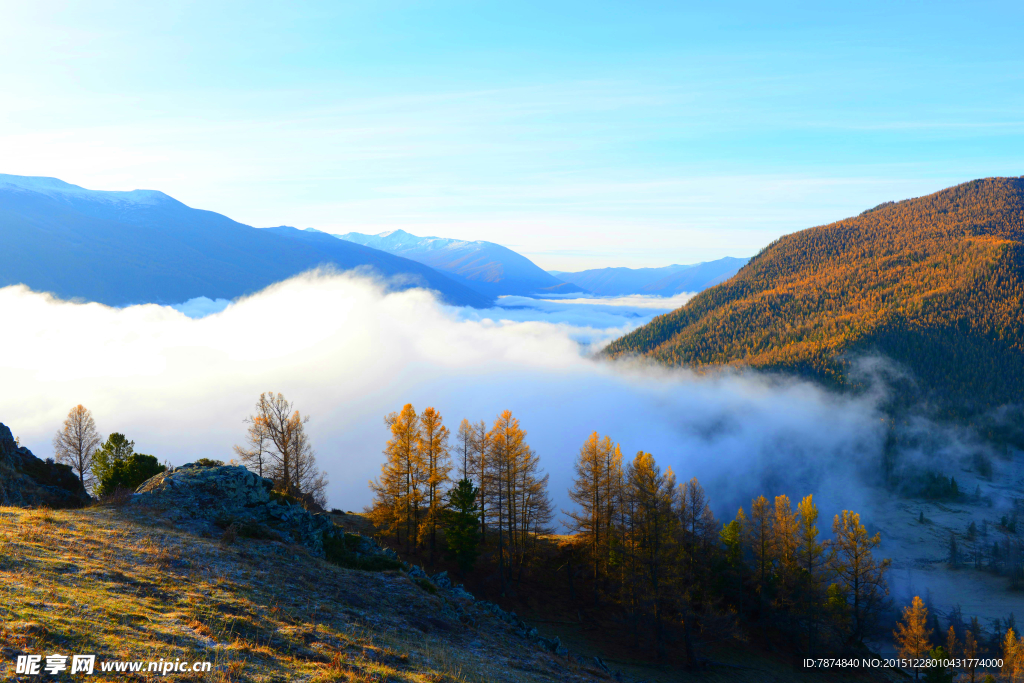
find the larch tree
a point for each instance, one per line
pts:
(76, 443)
(759, 540)
(700, 530)
(654, 527)
(290, 458)
(614, 476)
(972, 651)
(398, 491)
(255, 453)
(592, 492)
(1013, 654)
(465, 448)
(480, 464)
(535, 510)
(784, 550)
(810, 555)
(520, 505)
(628, 553)
(699, 533)
(860, 577)
(433, 452)
(387, 511)
(912, 635)
(308, 481)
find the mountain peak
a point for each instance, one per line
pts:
(54, 187)
(395, 233)
(489, 268)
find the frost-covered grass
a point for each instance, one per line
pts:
(124, 585)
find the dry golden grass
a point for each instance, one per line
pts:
(118, 583)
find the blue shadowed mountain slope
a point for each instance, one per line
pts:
(143, 246)
(665, 281)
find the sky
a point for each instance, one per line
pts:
(581, 134)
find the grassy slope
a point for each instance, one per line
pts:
(123, 585)
(936, 283)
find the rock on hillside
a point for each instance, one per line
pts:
(27, 481)
(227, 495)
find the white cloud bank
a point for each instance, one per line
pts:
(347, 353)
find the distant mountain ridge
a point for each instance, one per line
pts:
(486, 267)
(935, 283)
(143, 246)
(666, 281)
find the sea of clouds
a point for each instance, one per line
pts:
(180, 380)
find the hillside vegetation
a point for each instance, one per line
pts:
(934, 283)
(132, 587)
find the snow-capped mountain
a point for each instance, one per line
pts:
(143, 246)
(487, 267)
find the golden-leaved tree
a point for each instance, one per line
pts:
(598, 469)
(1013, 657)
(517, 493)
(479, 464)
(465, 449)
(860, 577)
(785, 541)
(913, 635)
(398, 491)
(651, 538)
(759, 541)
(436, 461)
(700, 534)
(811, 556)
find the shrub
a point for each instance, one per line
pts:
(341, 551)
(207, 462)
(129, 473)
(284, 498)
(246, 528)
(229, 535)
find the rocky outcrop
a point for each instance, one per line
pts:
(27, 481)
(231, 496)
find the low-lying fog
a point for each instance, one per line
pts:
(180, 380)
(347, 353)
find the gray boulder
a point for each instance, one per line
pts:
(441, 580)
(27, 481)
(232, 495)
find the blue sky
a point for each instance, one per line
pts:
(580, 134)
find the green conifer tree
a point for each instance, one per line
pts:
(462, 532)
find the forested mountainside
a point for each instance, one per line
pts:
(143, 246)
(934, 283)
